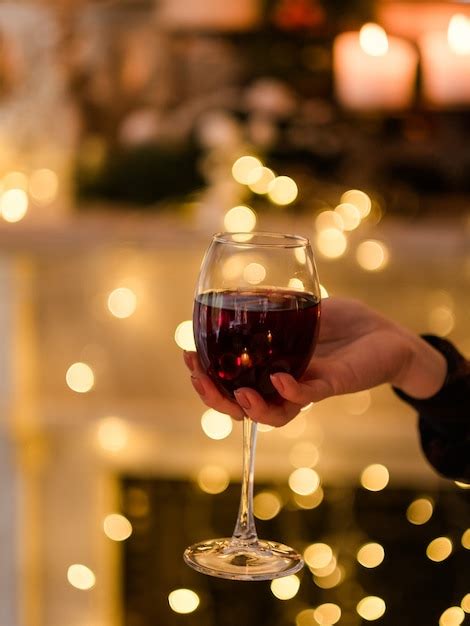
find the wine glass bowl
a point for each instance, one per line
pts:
(256, 313)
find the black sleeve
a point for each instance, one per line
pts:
(444, 419)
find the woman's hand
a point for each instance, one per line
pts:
(357, 349)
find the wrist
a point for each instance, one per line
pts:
(425, 370)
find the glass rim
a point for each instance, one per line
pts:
(278, 240)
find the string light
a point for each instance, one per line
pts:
(375, 477)
(183, 601)
(439, 549)
(184, 336)
(216, 425)
(117, 527)
(371, 608)
(285, 588)
(122, 302)
(81, 577)
(80, 377)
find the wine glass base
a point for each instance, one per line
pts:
(238, 560)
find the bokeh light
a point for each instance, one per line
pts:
(331, 243)
(466, 539)
(372, 255)
(349, 214)
(213, 479)
(80, 377)
(113, 434)
(304, 454)
(264, 177)
(453, 616)
(266, 505)
(81, 577)
(282, 190)
(184, 336)
(357, 403)
(465, 604)
(329, 219)
(285, 588)
(323, 292)
(318, 555)
(375, 477)
(15, 180)
(330, 580)
(296, 284)
(304, 481)
(371, 608)
(327, 614)
(420, 511)
(240, 219)
(310, 501)
(254, 273)
(183, 600)
(117, 527)
(122, 302)
(371, 555)
(14, 205)
(43, 185)
(245, 170)
(216, 425)
(439, 549)
(441, 320)
(359, 199)
(305, 618)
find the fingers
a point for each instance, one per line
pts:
(301, 393)
(260, 411)
(207, 391)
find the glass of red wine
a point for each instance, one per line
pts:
(256, 312)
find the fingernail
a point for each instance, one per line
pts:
(277, 381)
(242, 399)
(188, 359)
(198, 386)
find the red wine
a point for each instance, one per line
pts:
(244, 336)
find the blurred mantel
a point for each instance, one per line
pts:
(67, 450)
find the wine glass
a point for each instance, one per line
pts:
(256, 312)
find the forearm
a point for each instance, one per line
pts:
(444, 418)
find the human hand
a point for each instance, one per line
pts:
(357, 349)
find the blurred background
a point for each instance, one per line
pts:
(132, 130)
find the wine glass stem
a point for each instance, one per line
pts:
(245, 530)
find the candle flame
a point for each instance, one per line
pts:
(458, 34)
(373, 40)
